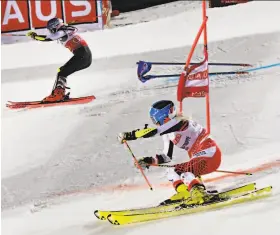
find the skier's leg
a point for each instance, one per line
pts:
(205, 160)
(58, 92)
(179, 186)
(60, 84)
(174, 178)
(81, 60)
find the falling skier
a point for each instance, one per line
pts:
(67, 36)
(205, 155)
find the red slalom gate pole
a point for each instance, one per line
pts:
(140, 168)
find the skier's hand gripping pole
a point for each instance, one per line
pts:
(137, 164)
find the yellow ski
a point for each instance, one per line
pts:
(102, 215)
(188, 209)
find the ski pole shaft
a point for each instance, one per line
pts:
(13, 35)
(231, 64)
(221, 171)
(141, 170)
(235, 172)
(165, 166)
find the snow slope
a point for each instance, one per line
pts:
(59, 151)
(154, 13)
(156, 35)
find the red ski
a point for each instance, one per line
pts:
(40, 104)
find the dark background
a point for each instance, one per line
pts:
(132, 5)
(224, 3)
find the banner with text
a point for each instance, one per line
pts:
(24, 15)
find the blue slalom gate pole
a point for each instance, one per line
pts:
(231, 73)
(192, 63)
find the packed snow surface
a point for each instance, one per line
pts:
(60, 164)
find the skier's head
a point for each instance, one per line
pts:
(54, 25)
(162, 111)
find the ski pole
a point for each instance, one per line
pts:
(141, 170)
(235, 172)
(221, 171)
(13, 35)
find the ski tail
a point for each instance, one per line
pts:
(40, 104)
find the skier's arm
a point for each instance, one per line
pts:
(133, 135)
(35, 36)
(64, 31)
(167, 153)
(172, 126)
(146, 132)
(42, 38)
(165, 157)
(169, 127)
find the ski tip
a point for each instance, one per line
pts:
(96, 214)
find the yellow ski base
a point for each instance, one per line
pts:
(136, 218)
(102, 215)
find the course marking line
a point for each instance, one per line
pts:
(130, 187)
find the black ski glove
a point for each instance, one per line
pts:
(127, 136)
(145, 162)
